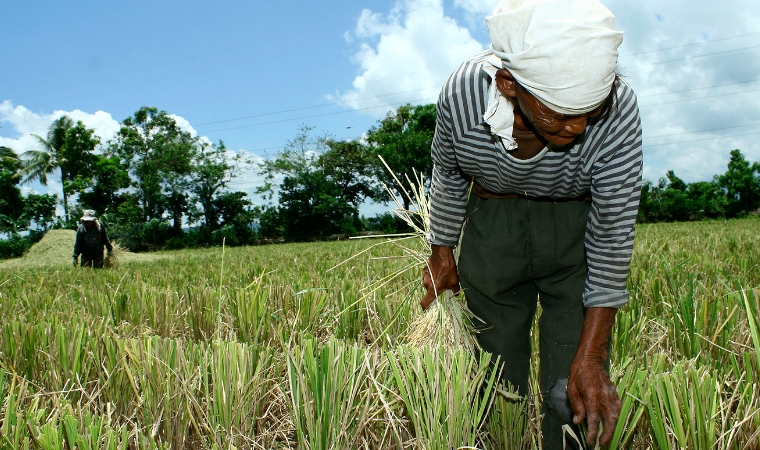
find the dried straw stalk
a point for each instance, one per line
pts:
(446, 322)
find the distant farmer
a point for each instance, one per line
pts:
(549, 140)
(91, 238)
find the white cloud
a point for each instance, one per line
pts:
(24, 123)
(184, 125)
(725, 108)
(476, 10)
(406, 55)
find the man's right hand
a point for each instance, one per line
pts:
(443, 268)
(74, 261)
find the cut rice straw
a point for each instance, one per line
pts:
(446, 322)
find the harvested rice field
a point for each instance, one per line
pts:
(266, 348)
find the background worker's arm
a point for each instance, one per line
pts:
(79, 246)
(439, 274)
(592, 395)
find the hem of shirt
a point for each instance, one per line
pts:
(605, 299)
(442, 243)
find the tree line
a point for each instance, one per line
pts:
(156, 186)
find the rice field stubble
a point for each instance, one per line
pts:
(263, 347)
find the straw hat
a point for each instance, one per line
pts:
(88, 215)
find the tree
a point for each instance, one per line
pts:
(158, 155)
(236, 214)
(40, 210)
(69, 148)
(38, 164)
(213, 169)
(741, 185)
(12, 218)
(403, 139)
(109, 178)
(322, 184)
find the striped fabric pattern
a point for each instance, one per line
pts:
(606, 161)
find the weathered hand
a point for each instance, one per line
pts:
(594, 399)
(444, 271)
(592, 395)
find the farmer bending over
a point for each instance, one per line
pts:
(91, 238)
(549, 138)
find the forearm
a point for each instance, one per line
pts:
(595, 336)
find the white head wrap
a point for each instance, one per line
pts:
(564, 52)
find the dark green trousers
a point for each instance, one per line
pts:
(515, 253)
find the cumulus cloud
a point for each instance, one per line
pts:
(694, 108)
(695, 68)
(18, 125)
(476, 10)
(405, 55)
(24, 123)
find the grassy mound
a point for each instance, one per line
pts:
(55, 249)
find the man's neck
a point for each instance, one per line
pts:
(529, 143)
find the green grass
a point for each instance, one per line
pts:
(277, 351)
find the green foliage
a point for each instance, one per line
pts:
(741, 183)
(733, 194)
(403, 138)
(158, 155)
(14, 246)
(110, 177)
(323, 183)
(388, 223)
(11, 201)
(69, 148)
(213, 169)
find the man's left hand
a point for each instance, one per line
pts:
(594, 398)
(592, 395)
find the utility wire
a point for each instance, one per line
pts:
(698, 89)
(702, 131)
(415, 90)
(315, 106)
(316, 115)
(700, 140)
(689, 45)
(693, 57)
(698, 98)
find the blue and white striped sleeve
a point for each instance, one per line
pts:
(448, 186)
(615, 192)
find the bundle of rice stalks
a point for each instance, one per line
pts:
(112, 259)
(446, 322)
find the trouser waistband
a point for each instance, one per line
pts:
(482, 192)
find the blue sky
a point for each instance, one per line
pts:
(250, 73)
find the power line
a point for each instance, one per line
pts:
(689, 45)
(315, 106)
(705, 139)
(693, 57)
(434, 87)
(317, 115)
(698, 98)
(416, 90)
(698, 89)
(702, 131)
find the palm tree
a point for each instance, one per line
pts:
(38, 164)
(7, 154)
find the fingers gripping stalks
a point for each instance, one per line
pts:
(595, 400)
(439, 274)
(593, 396)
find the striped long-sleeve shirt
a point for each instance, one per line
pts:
(606, 161)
